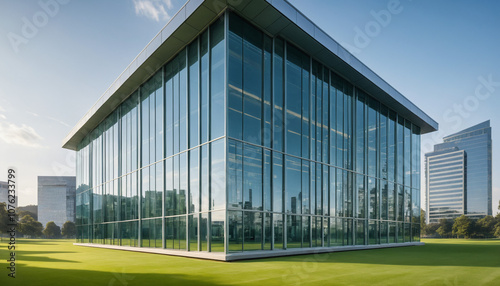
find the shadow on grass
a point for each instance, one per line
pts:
(441, 254)
(50, 276)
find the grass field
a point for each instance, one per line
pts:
(439, 262)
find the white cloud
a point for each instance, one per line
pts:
(154, 9)
(23, 135)
(3, 116)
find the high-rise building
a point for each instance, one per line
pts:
(56, 199)
(4, 195)
(458, 175)
(243, 130)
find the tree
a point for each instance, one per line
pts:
(463, 226)
(52, 230)
(497, 230)
(422, 218)
(69, 229)
(21, 214)
(29, 226)
(445, 227)
(499, 205)
(3, 217)
(485, 227)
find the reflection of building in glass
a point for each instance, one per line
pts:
(56, 199)
(255, 133)
(458, 175)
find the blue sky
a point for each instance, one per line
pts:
(442, 55)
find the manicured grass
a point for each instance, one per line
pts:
(439, 262)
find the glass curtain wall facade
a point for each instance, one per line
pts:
(244, 142)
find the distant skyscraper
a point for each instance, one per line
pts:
(4, 187)
(458, 175)
(56, 199)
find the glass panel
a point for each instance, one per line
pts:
(400, 150)
(204, 231)
(204, 87)
(383, 141)
(278, 95)
(183, 96)
(293, 100)
(235, 174)
(372, 137)
(361, 196)
(205, 199)
(268, 231)
(268, 51)
(217, 231)
(391, 153)
(252, 85)
(235, 234)
(235, 77)
(217, 79)
(252, 177)
(373, 234)
(193, 232)
(194, 181)
(306, 208)
(277, 182)
(384, 200)
(294, 231)
(360, 232)
(293, 194)
(278, 231)
(306, 231)
(169, 111)
(170, 199)
(360, 133)
(183, 184)
(267, 181)
(384, 232)
(194, 94)
(252, 222)
(305, 67)
(373, 208)
(218, 178)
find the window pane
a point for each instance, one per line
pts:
(278, 95)
(204, 87)
(235, 234)
(217, 78)
(218, 178)
(293, 100)
(372, 137)
(252, 177)
(235, 77)
(217, 242)
(293, 192)
(294, 231)
(194, 181)
(193, 93)
(235, 174)
(252, 85)
(193, 232)
(252, 231)
(277, 182)
(360, 133)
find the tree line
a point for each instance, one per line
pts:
(28, 225)
(462, 226)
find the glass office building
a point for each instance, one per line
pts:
(250, 138)
(458, 175)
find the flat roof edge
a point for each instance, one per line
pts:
(167, 42)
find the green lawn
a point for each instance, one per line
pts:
(439, 262)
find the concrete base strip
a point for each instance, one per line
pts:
(219, 256)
